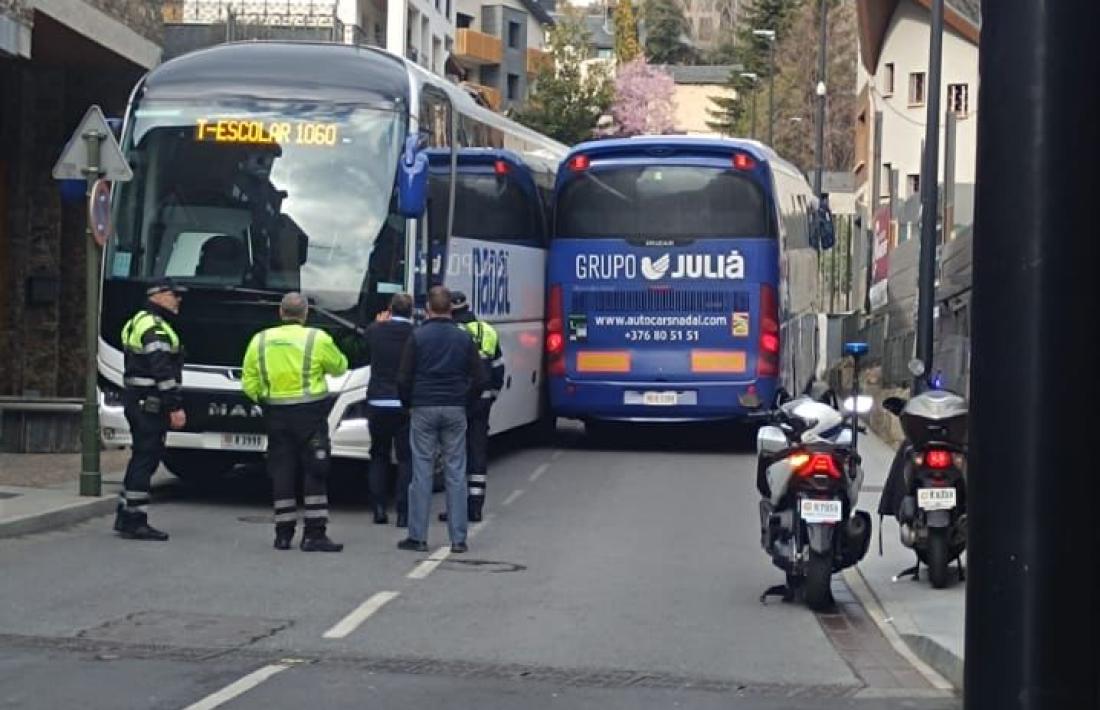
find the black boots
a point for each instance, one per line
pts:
(473, 509)
(402, 519)
(319, 542)
(135, 526)
(283, 536)
(380, 517)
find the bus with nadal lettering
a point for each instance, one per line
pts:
(676, 266)
(256, 174)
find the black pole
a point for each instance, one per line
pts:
(929, 188)
(754, 109)
(819, 147)
(1032, 595)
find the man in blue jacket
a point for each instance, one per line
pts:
(440, 375)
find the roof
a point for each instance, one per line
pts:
(538, 11)
(599, 36)
(873, 17)
(700, 74)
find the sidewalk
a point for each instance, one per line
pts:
(42, 491)
(930, 621)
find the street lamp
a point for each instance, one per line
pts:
(819, 147)
(751, 76)
(769, 35)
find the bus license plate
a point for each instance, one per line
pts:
(820, 511)
(936, 498)
(659, 399)
(245, 442)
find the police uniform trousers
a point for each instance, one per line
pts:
(298, 446)
(477, 451)
(149, 432)
(389, 432)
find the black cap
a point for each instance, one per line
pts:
(458, 300)
(163, 284)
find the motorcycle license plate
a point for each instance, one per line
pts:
(936, 498)
(821, 511)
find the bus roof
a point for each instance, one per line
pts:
(644, 144)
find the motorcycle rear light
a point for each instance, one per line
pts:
(814, 465)
(938, 458)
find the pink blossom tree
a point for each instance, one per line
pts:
(643, 100)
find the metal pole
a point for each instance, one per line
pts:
(876, 192)
(926, 293)
(90, 479)
(819, 147)
(1034, 566)
(754, 92)
(771, 96)
(949, 148)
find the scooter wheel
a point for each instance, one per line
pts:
(938, 555)
(817, 588)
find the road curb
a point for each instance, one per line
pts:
(915, 648)
(60, 516)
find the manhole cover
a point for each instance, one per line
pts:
(185, 629)
(260, 519)
(482, 565)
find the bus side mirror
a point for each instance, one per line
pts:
(412, 180)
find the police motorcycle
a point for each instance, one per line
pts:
(809, 476)
(926, 488)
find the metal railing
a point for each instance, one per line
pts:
(274, 13)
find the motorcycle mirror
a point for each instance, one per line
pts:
(858, 405)
(916, 367)
(894, 405)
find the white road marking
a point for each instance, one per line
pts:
(557, 455)
(363, 612)
(239, 687)
(866, 596)
(426, 567)
(538, 472)
(512, 497)
(478, 527)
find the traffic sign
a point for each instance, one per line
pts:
(74, 162)
(99, 211)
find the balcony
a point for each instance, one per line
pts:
(473, 48)
(536, 59)
(491, 96)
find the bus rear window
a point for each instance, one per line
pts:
(662, 201)
(489, 208)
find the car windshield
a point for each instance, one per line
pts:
(274, 195)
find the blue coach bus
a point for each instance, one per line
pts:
(675, 265)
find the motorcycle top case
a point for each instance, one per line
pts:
(935, 416)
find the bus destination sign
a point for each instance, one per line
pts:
(259, 132)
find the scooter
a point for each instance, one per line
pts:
(926, 488)
(809, 477)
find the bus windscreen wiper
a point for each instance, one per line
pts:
(339, 320)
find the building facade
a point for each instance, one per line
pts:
(499, 47)
(695, 86)
(57, 57)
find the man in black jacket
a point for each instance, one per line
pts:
(384, 342)
(440, 375)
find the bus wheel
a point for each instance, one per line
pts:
(197, 466)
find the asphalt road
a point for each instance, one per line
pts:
(613, 574)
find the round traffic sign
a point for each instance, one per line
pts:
(99, 211)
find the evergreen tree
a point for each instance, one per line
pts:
(568, 98)
(665, 25)
(626, 33)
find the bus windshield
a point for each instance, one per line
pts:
(661, 201)
(273, 195)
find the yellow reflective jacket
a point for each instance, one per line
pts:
(287, 365)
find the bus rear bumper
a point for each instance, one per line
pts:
(696, 401)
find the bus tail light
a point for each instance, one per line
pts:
(579, 163)
(555, 333)
(501, 168)
(767, 361)
(743, 161)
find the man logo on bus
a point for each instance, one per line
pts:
(654, 269)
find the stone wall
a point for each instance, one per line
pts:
(142, 16)
(18, 9)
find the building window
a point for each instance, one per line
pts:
(916, 89)
(958, 99)
(448, 9)
(913, 181)
(887, 176)
(513, 87)
(513, 34)
(464, 21)
(888, 80)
